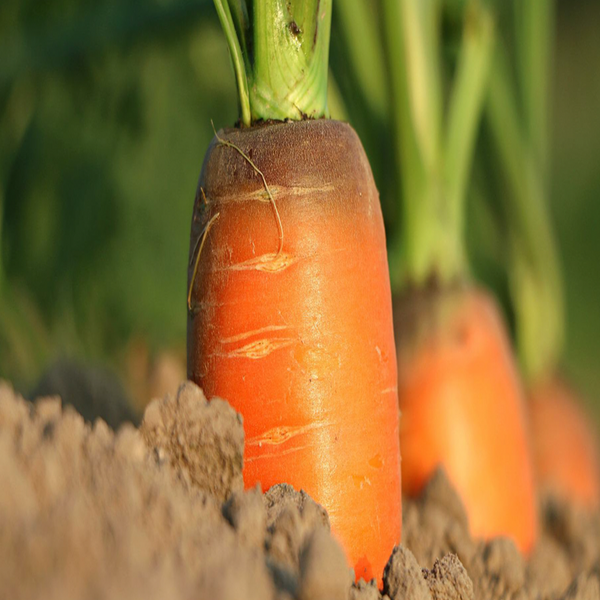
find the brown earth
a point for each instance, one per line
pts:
(159, 512)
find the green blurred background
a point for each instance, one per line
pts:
(105, 115)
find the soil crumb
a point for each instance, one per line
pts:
(204, 442)
(160, 512)
(448, 580)
(436, 525)
(403, 578)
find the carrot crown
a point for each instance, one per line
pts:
(280, 53)
(435, 134)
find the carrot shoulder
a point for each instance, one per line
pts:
(290, 321)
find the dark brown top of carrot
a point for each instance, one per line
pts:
(281, 163)
(300, 154)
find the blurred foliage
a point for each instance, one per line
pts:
(105, 115)
(576, 184)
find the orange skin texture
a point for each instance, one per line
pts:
(565, 445)
(462, 409)
(303, 346)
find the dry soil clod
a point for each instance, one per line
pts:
(204, 442)
(87, 512)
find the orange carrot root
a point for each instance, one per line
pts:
(566, 450)
(299, 338)
(462, 408)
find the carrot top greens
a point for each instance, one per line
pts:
(280, 53)
(518, 115)
(435, 128)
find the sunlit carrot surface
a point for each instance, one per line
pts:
(290, 321)
(462, 409)
(565, 444)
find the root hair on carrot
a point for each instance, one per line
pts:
(264, 180)
(200, 241)
(204, 198)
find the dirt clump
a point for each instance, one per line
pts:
(204, 442)
(576, 531)
(365, 590)
(317, 583)
(160, 512)
(84, 513)
(585, 587)
(290, 517)
(448, 580)
(436, 525)
(245, 512)
(498, 570)
(403, 578)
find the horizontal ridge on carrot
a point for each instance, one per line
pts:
(289, 304)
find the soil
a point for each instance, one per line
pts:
(159, 512)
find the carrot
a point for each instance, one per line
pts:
(567, 457)
(460, 394)
(463, 408)
(565, 445)
(289, 305)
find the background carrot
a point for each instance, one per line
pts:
(290, 306)
(460, 396)
(566, 446)
(459, 391)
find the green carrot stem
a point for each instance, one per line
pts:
(465, 109)
(237, 58)
(434, 150)
(280, 53)
(416, 128)
(536, 283)
(359, 28)
(336, 103)
(534, 25)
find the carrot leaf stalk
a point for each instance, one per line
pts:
(280, 53)
(565, 446)
(359, 29)
(520, 136)
(534, 24)
(435, 145)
